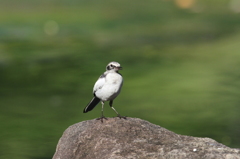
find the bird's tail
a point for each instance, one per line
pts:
(91, 104)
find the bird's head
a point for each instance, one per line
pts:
(113, 66)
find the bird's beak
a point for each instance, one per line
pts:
(119, 68)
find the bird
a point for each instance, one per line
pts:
(107, 88)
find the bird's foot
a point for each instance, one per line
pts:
(124, 117)
(101, 118)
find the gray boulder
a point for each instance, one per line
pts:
(134, 138)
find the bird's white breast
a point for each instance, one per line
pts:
(111, 87)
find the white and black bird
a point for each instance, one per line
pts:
(107, 88)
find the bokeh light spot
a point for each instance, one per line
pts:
(51, 27)
(185, 4)
(234, 6)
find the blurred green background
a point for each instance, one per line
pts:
(180, 58)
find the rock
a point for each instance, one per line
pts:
(134, 138)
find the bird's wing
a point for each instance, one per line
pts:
(91, 104)
(100, 82)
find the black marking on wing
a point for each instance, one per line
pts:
(91, 104)
(103, 75)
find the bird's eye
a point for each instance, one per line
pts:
(111, 65)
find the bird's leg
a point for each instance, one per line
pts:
(118, 115)
(102, 116)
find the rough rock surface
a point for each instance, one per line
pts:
(134, 138)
